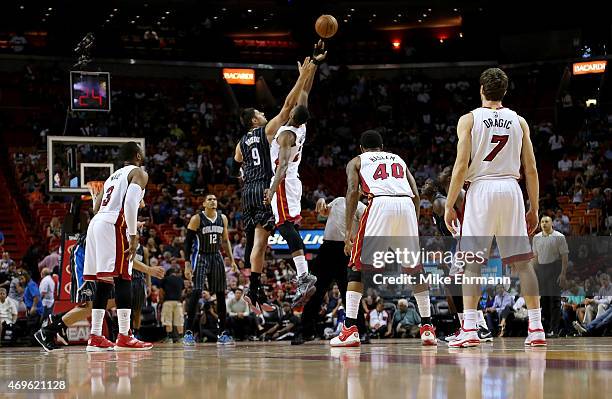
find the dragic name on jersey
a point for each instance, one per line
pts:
(497, 140)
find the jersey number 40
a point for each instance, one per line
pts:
(381, 173)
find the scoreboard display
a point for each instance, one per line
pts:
(90, 91)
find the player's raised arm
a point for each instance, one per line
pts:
(227, 244)
(285, 140)
(311, 71)
(531, 177)
(352, 196)
(192, 227)
(290, 101)
(415, 190)
(464, 148)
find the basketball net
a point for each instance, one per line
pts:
(94, 186)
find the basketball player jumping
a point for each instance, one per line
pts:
(208, 231)
(253, 153)
(109, 254)
(285, 193)
(392, 211)
(493, 142)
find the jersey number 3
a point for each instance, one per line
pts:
(501, 142)
(107, 197)
(397, 171)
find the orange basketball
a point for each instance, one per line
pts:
(326, 26)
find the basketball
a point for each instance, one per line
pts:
(326, 26)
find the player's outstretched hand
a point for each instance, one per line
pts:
(348, 246)
(319, 53)
(531, 217)
(450, 216)
(157, 271)
(133, 246)
(303, 65)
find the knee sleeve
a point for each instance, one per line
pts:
(353, 276)
(292, 236)
(103, 292)
(123, 293)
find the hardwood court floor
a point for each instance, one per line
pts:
(572, 368)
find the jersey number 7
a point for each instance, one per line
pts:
(501, 142)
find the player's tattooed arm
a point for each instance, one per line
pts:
(464, 148)
(415, 190)
(286, 140)
(192, 227)
(276, 122)
(352, 196)
(227, 244)
(531, 178)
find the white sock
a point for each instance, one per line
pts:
(460, 317)
(97, 318)
(535, 319)
(123, 315)
(300, 264)
(469, 319)
(423, 303)
(353, 300)
(481, 320)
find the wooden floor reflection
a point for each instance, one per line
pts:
(568, 368)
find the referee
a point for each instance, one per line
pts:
(330, 265)
(550, 264)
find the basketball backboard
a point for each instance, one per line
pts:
(73, 161)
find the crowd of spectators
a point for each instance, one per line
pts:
(191, 136)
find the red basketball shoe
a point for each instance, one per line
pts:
(348, 337)
(129, 343)
(428, 335)
(98, 343)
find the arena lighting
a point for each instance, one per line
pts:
(583, 68)
(591, 101)
(239, 76)
(396, 43)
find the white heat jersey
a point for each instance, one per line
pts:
(383, 173)
(115, 189)
(497, 140)
(296, 150)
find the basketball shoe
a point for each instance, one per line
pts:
(98, 343)
(428, 335)
(465, 339)
(535, 337)
(306, 288)
(348, 337)
(129, 343)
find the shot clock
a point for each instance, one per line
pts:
(90, 91)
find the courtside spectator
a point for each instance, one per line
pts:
(6, 262)
(600, 303)
(171, 289)
(502, 306)
(8, 312)
(239, 250)
(378, 320)
(406, 321)
(240, 320)
(565, 164)
(601, 321)
(285, 328)
(47, 292)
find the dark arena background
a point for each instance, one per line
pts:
(79, 80)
